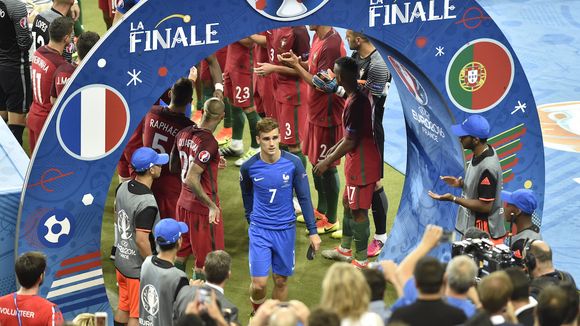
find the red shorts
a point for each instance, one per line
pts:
(238, 89)
(319, 141)
(106, 6)
(290, 117)
(167, 205)
(128, 294)
(34, 122)
(359, 196)
(202, 237)
(264, 97)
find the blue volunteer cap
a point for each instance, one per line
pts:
(145, 157)
(475, 125)
(167, 231)
(523, 199)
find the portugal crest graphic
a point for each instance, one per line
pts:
(286, 10)
(480, 75)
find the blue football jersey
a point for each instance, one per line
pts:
(267, 190)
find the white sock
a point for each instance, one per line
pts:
(381, 237)
(237, 143)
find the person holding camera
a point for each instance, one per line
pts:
(479, 204)
(538, 262)
(519, 207)
(160, 280)
(217, 269)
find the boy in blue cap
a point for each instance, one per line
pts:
(519, 207)
(480, 203)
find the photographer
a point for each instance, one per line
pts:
(217, 269)
(520, 205)
(538, 261)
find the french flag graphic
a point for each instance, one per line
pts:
(93, 122)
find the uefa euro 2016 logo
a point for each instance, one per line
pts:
(286, 10)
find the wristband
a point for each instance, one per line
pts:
(454, 199)
(218, 87)
(340, 91)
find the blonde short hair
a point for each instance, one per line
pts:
(84, 319)
(345, 291)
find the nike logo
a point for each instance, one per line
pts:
(258, 179)
(287, 137)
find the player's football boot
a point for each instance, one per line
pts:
(224, 136)
(375, 248)
(338, 254)
(360, 264)
(231, 151)
(317, 215)
(323, 226)
(248, 155)
(336, 234)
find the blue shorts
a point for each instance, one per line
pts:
(273, 248)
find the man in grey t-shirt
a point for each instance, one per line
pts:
(160, 280)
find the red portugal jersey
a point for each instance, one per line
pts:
(363, 163)
(283, 40)
(158, 130)
(33, 311)
(198, 146)
(45, 61)
(61, 76)
(325, 109)
(221, 56)
(239, 59)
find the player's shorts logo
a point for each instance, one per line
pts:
(55, 228)
(286, 10)
(411, 82)
(561, 126)
(93, 122)
(479, 75)
(204, 156)
(150, 299)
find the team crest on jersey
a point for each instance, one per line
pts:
(285, 177)
(286, 10)
(150, 299)
(204, 156)
(472, 76)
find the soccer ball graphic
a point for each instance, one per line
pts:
(56, 229)
(286, 10)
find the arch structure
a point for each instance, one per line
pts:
(448, 58)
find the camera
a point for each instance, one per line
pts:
(488, 257)
(204, 296)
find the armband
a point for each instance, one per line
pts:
(219, 87)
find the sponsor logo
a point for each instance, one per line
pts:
(286, 10)
(387, 12)
(150, 299)
(479, 75)
(143, 39)
(410, 81)
(55, 228)
(258, 179)
(204, 156)
(93, 122)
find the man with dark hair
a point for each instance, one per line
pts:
(429, 307)
(160, 281)
(558, 305)
(25, 307)
(45, 62)
(522, 302)
(376, 79)
(84, 44)
(362, 171)
(15, 41)
(538, 261)
(324, 120)
(268, 181)
(480, 203)
(137, 213)
(217, 269)
(519, 207)
(495, 291)
(195, 153)
(378, 284)
(42, 22)
(474, 233)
